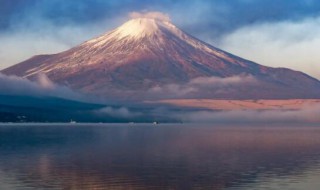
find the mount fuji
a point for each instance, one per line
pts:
(146, 57)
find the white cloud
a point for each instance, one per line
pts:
(45, 82)
(281, 44)
(218, 81)
(199, 86)
(12, 85)
(122, 112)
(152, 15)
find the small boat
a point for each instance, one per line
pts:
(155, 123)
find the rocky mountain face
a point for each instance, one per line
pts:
(149, 58)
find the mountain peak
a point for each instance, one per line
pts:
(142, 27)
(139, 27)
(136, 29)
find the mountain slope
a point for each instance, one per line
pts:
(146, 53)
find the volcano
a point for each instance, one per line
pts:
(146, 53)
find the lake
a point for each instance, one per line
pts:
(168, 156)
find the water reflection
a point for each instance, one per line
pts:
(162, 157)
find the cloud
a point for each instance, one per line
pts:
(200, 86)
(121, 112)
(219, 81)
(308, 114)
(152, 15)
(45, 82)
(291, 44)
(12, 85)
(171, 90)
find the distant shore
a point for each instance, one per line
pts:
(212, 104)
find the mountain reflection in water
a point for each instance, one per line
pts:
(161, 157)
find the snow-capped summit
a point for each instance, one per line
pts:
(138, 29)
(142, 27)
(144, 53)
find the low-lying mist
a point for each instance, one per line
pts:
(309, 114)
(142, 112)
(13, 85)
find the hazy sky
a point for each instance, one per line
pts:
(278, 33)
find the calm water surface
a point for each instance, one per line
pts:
(159, 157)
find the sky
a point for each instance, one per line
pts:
(277, 33)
